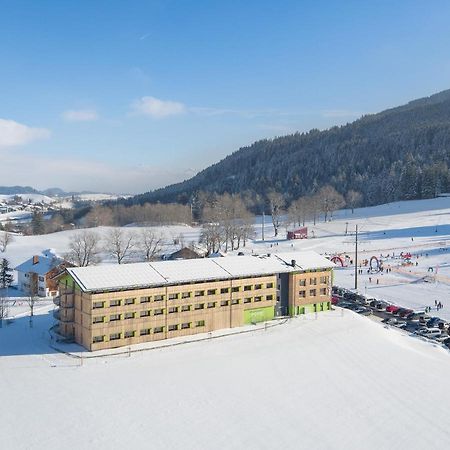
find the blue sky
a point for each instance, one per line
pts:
(129, 96)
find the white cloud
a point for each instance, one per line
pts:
(80, 115)
(13, 133)
(156, 108)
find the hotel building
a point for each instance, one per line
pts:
(110, 306)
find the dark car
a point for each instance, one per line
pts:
(350, 296)
(405, 313)
(433, 322)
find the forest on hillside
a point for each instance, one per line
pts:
(399, 154)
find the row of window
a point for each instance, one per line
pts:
(148, 331)
(175, 296)
(177, 309)
(313, 292)
(313, 281)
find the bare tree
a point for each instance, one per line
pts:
(4, 309)
(32, 297)
(353, 199)
(330, 200)
(119, 244)
(84, 248)
(150, 243)
(211, 237)
(5, 239)
(276, 203)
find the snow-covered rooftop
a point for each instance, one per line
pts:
(138, 275)
(42, 265)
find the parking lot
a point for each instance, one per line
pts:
(419, 323)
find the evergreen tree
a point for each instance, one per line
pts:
(6, 277)
(37, 223)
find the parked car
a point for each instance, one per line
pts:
(364, 311)
(350, 296)
(415, 316)
(381, 306)
(433, 322)
(335, 299)
(429, 332)
(392, 309)
(400, 311)
(405, 313)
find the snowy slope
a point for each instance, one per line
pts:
(338, 381)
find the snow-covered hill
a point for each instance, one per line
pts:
(335, 381)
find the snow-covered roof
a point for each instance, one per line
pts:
(42, 266)
(110, 277)
(150, 274)
(306, 260)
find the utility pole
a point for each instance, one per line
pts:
(262, 226)
(356, 258)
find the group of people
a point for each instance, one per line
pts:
(438, 305)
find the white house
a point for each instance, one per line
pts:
(36, 275)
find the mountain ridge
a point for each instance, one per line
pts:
(407, 144)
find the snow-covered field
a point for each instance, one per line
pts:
(331, 381)
(335, 381)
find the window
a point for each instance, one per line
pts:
(313, 281)
(302, 282)
(129, 301)
(97, 305)
(211, 304)
(199, 306)
(199, 293)
(185, 326)
(145, 313)
(173, 296)
(258, 286)
(186, 308)
(324, 280)
(145, 299)
(114, 317)
(269, 297)
(247, 288)
(114, 303)
(158, 312)
(269, 285)
(302, 294)
(145, 332)
(185, 295)
(41, 278)
(114, 336)
(258, 299)
(235, 301)
(159, 298)
(173, 309)
(225, 290)
(248, 300)
(200, 323)
(98, 339)
(323, 291)
(312, 292)
(98, 319)
(129, 334)
(235, 289)
(173, 327)
(224, 303)
(158, 330)
(212, 291)
(129, 315)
